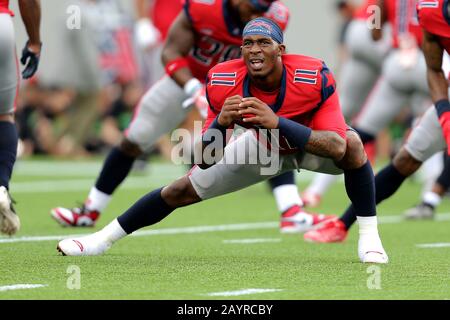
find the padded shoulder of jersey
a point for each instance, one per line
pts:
(225, 80)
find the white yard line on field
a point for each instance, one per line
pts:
(184, 230)
(196, 229)
(21, 286)
(241, 292)
(250, 241)
(434, 245)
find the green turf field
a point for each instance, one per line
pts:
(189, 259)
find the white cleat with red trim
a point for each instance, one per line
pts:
(296, 220)
(370, 250)
(91, 245)
(76, 217)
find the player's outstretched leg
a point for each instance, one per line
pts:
(387, 182)
(294, 219)
(149, 210)
(360, 187)
(432, 198)
(115, 169)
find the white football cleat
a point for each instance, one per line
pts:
(91, 245)
(9, 220)
(370, 250)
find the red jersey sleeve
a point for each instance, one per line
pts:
(329, 117)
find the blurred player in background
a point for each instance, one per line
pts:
(430, 136)
(211, 33)
(358, 77)
(271, 90)
(154, 18)
(30, 11)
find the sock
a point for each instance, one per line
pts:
(149, 210)
(387, 182)
(431, 199)
(282, 179)
(97, 200)
(365, 136)
(368, 225)
(115, 169)
(285, 191)
(444, 178)
(360, 187)
(321, 183)
(112, 232)
(8, 151)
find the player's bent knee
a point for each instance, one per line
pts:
(129, 148)
(355, 156)
(180, 193)
(405, 163)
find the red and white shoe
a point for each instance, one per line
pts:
(331, 231)
(310, 199)
(296, 220)
(76, 217)
(91, 245)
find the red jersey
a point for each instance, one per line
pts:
(307, 94)
(218, 37)
(362, 12)
(163, 13)
(4, 7)
(402, 15)
(435, 18)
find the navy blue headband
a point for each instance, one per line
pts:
(261, 5)
(264, 27)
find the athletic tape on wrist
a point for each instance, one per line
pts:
(175, 65)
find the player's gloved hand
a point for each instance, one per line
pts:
(30, 59)
(147, 36)
(443, 110)
(199, 101)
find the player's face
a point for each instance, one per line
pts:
(247, 12)
(260, 54)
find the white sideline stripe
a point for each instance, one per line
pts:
(196, 229)
(184, 230)
(22, 286)
(434, 245)
(250, 241)
(241, 292)
(47, 186)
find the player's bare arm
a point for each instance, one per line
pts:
(175, 48)
(228, 115)
(433, 56)
(30, 10)
(326, 144)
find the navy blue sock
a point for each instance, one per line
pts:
(365, 136)
(150, 209)
(282, 179)
(8, 151)
(444, 178)
(360, 187)
(387, 182)
(115, 169)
